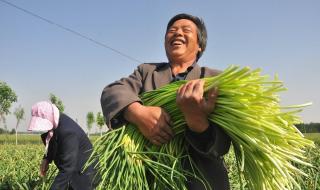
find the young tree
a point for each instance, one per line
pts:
(7, 97)
(90, 121)
(100, 121)
(56, 101)
(4, 121)
(13, 131)
(2, 131)
(19, 113)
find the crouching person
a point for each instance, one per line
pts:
(66, 144)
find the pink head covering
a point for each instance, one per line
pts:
(45, 117)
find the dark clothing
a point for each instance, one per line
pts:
(70, 148)
(206, 149)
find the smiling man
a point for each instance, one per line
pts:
(185, 41)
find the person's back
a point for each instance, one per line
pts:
(66, 144)
(68, 127)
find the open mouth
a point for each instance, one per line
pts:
(177, 42)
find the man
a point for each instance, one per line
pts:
(66, 144)
(185, 41)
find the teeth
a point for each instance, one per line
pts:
(177, 42)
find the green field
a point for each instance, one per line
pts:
(313, 136)
(19, 164)
(28, 139)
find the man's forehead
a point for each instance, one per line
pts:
(184, 22)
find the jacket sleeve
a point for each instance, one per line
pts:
(51, 148)
(67, 156)
(212, 142)
(43, 138)
(118, 95)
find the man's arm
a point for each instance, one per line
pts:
(205, 137)
(212, 142)
(121, 103)
(153, 122)
(118, 95)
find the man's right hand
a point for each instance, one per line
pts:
(44, 166)
(153, 122)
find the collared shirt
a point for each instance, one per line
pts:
(183, 75)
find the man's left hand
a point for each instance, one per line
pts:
(194, 106)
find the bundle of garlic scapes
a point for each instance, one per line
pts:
(266, 142)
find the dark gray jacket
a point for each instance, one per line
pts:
(208, 157)
(70, 148)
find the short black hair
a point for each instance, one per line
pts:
(201, 29)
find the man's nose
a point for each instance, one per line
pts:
(178, 32)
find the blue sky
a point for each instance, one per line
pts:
(38, 58)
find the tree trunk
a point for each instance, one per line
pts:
(17, 134)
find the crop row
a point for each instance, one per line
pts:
(19, 168)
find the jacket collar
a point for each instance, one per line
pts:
(162, 75)
(194, 73)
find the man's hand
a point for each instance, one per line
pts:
(44, 166)
(153, 122)
(194, 106)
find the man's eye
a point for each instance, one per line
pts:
(187, 30)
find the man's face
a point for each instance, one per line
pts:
(181, 41)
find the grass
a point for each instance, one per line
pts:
(19, 165)
(29, 139)
(22, 139)
(313, 136)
